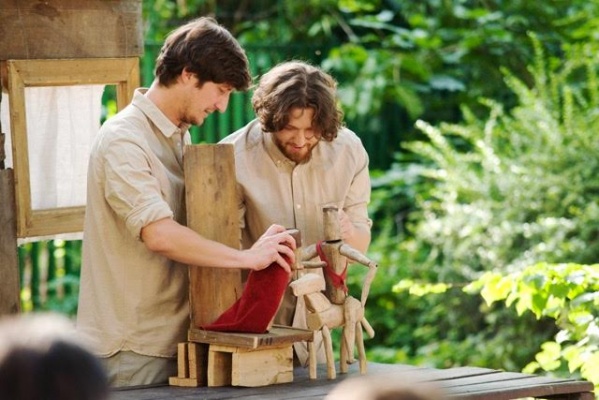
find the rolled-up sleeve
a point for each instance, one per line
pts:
(132, 187)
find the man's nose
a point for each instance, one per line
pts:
(300, 138)
(223, 102)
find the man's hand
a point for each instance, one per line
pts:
(275, 245)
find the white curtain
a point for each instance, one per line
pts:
(61, 125)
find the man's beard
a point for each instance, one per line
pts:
(294, 157)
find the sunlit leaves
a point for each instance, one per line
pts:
(420, 288)
(568, 293)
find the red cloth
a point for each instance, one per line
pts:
(258, 303)
(338, 280)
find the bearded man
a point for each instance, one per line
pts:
(295, 159)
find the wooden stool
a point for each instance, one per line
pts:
(238, 359)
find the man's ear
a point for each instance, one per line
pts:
(186, 75)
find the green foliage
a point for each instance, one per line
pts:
(567, 293)
(50, 276)
(495, 194)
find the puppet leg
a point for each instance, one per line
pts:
(326, 336)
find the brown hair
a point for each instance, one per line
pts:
(297, 84)
(206, 49)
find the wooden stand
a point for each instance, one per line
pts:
(238, 359)
(223, 358)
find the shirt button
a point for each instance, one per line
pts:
(299, 206)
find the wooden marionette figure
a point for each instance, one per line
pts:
(344, 310)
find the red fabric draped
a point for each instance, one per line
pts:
(258, 303)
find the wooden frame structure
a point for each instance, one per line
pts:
(122, 72)
(56, 43)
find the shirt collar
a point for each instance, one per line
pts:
(154, 114)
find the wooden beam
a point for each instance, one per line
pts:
(33, 29)
(210, 187)
(9, 266)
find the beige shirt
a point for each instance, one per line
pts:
(130, 298)
(274, 189)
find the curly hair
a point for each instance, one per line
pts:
(207, 49)
(297, 84)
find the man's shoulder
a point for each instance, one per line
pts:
(123, 127)
(245, 138)
(348, 137)
(346, 141)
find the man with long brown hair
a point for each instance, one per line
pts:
(294, 159)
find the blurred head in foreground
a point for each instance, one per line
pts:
(42, 358)
(383, 388)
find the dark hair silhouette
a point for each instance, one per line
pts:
(41, 359)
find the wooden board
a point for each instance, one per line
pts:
(9, 267)
(34, 29)
(464, 383)
(278, 335)
(210, 195)
(270, 366)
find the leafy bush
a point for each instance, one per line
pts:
(567, 293)
(498, 194)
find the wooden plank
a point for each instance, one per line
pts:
(305, 388)
(278, 335)
(262, 367)
(185, 382)
(210, 187)
(476, 383)
(9, 267)
(33, 29)
(18, 122)
(182, 360)
(52, 221)
(198, 362)
(89, 71)
(219, 368)
(431, 374)
(514, 387)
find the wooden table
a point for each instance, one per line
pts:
(471, 383)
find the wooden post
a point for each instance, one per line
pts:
(9, 267)
(212, 212)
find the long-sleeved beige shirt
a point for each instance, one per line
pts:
(274, 189)
(130, 298)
